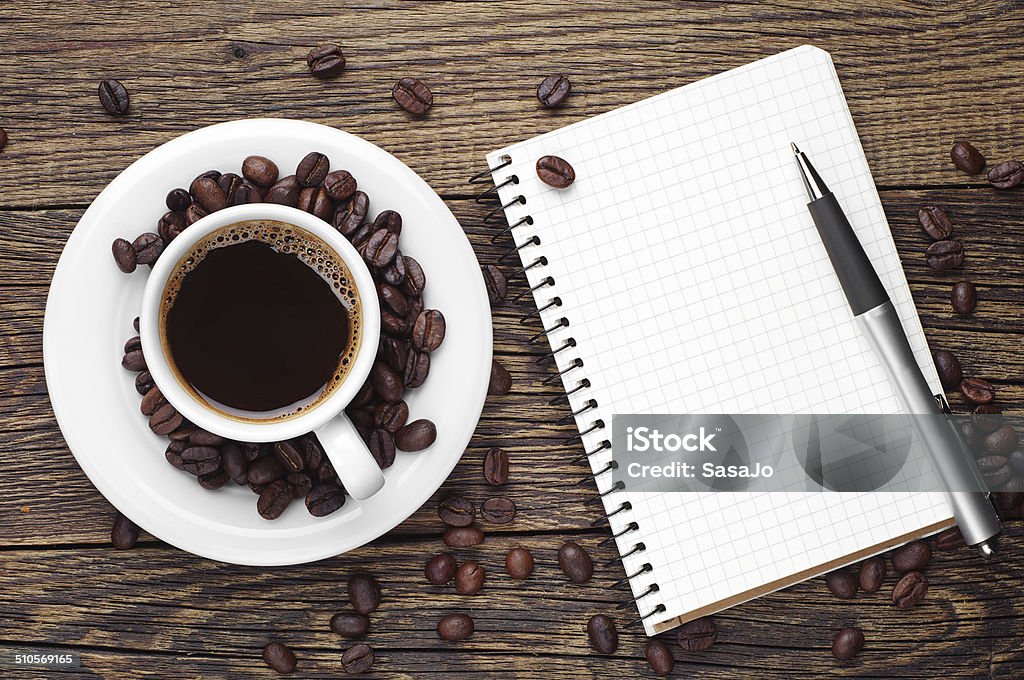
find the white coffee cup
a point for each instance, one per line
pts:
(346, 450)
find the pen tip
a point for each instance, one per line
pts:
(796, 151)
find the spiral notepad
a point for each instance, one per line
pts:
(681, 273)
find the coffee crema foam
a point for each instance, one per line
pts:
(283, 238)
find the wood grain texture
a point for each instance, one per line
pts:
(917, 76)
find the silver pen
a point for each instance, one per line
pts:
(874, 314)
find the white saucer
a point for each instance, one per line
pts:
(89, 316)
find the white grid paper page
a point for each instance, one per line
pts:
(694, 281)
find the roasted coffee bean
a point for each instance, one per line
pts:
(496, 283)
(393, 299)
(349, 625)
(182, 433)
(173, 455)
(847, 643)
(133, 343)
(382, 447)
(913, 556)
(143, 382)
(967, 158)
(659, 657)
(501, 380)
(964, 297)
(339, 185)
(124, 255)
(230, 183)
(553, 90)
(147, 247)
(247, 193)
(555, 171)
(416, 436)
(194, 213)
(393, 325)
(413, 96)
(265, 470)
(428, 331)
(440, 569)
(381, 248)
(284, 192)
(842, 583)
(348, 217)
(948, 366)
(279, 657)
(469, 578)
(151, 401)
(201, 437)
(391, 416)
(289, 456)
(519, 563)
(326, 497)
(114, 97)
(871, 574)
(935, 222)
(498, 510)
(300, 484)
(1001, 442)
(455, 627)
(135, 324)
(415, 279)
(274, 499)
(496, 467)
(360, 417)
(312, 169)
(415, 309)
(394, 352)
(1006, 175)
(456, 511)
(977, 391)
(463, 537)
(987, 418)
(124, 533)
(995, 469)
(214, 480)
(232, 459)
(134, 361)
(209, 194)
(364, 593)
(178, 199)
(200, 460)
(257, 488)
(260, 171)
(326, 61)
(165, 420)
(575, 562)
(361, 236)
(910, 590)
(1007, 502)
(1017, 462)
(950, 539)
(697, 635)
(394, 273)
(943, 255)
(390, 220)
(604, 638)
(387, 384)
(170, 226)
(417, 366)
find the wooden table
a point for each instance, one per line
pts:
(917, 76)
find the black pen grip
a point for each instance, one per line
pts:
(860, 282)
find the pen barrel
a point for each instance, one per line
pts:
(952, 462)
(860, 282)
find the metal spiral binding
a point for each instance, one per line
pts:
(565, 375)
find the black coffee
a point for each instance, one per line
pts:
(260, 317)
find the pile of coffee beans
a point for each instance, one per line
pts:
(280, 472)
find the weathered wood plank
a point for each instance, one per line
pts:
(483, 61)
(213, 616)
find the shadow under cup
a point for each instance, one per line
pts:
(260, 321)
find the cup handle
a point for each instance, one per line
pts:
(352, 460)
